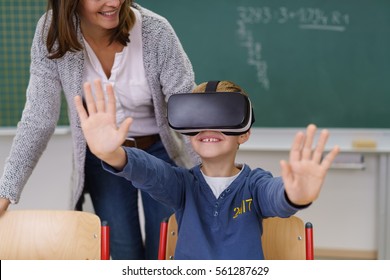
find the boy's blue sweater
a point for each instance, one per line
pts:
(229, 227)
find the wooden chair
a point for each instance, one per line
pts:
(52, 235)
(287, 239)
(168, 238)
(282, 239)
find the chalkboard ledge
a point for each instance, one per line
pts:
(11, 131)
(280, 139)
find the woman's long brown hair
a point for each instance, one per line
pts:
(62, 34)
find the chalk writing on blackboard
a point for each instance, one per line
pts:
(303, 18)
(313, 18)
(254, 57)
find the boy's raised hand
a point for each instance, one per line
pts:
(98, 122)
(305, 172)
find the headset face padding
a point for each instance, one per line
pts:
(228, 112)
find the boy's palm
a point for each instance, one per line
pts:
(305, 172)
(99, 121)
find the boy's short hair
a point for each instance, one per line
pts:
(223, 86)
(209, 107)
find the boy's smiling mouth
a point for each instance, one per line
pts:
(210, 140)
(209, 137)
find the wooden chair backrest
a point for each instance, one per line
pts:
(282, 239)
(171, 238)
(50, 235)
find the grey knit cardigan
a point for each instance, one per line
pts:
(168, 71)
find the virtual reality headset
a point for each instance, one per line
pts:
(228, 112)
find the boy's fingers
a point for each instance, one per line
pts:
(80, 108)
(307, 146)
(90, 102)
(317, 155)
(124, 127)
(328, 159)
(111, 104)
(99, 94)
(286, 172)
(295, 152)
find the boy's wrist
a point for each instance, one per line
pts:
(116, 159)
(299, 206)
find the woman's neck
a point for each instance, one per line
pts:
(103, 50)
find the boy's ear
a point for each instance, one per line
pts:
(244, 137)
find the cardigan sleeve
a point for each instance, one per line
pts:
(38, 121)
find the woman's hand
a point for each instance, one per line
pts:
(99, 126)
(4, 203)
(305, 172)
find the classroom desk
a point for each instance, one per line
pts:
(370, 177)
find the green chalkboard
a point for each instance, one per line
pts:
(18, 19)
(301, 61)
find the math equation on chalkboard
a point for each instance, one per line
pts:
(305, 18)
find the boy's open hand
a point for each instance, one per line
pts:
(305, 172)
(98, 122)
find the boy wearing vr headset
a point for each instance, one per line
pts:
(209, 199)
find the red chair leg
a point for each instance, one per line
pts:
(309, 241)
(162, 246)
(105, 240)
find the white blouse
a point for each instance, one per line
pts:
(133, 96)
